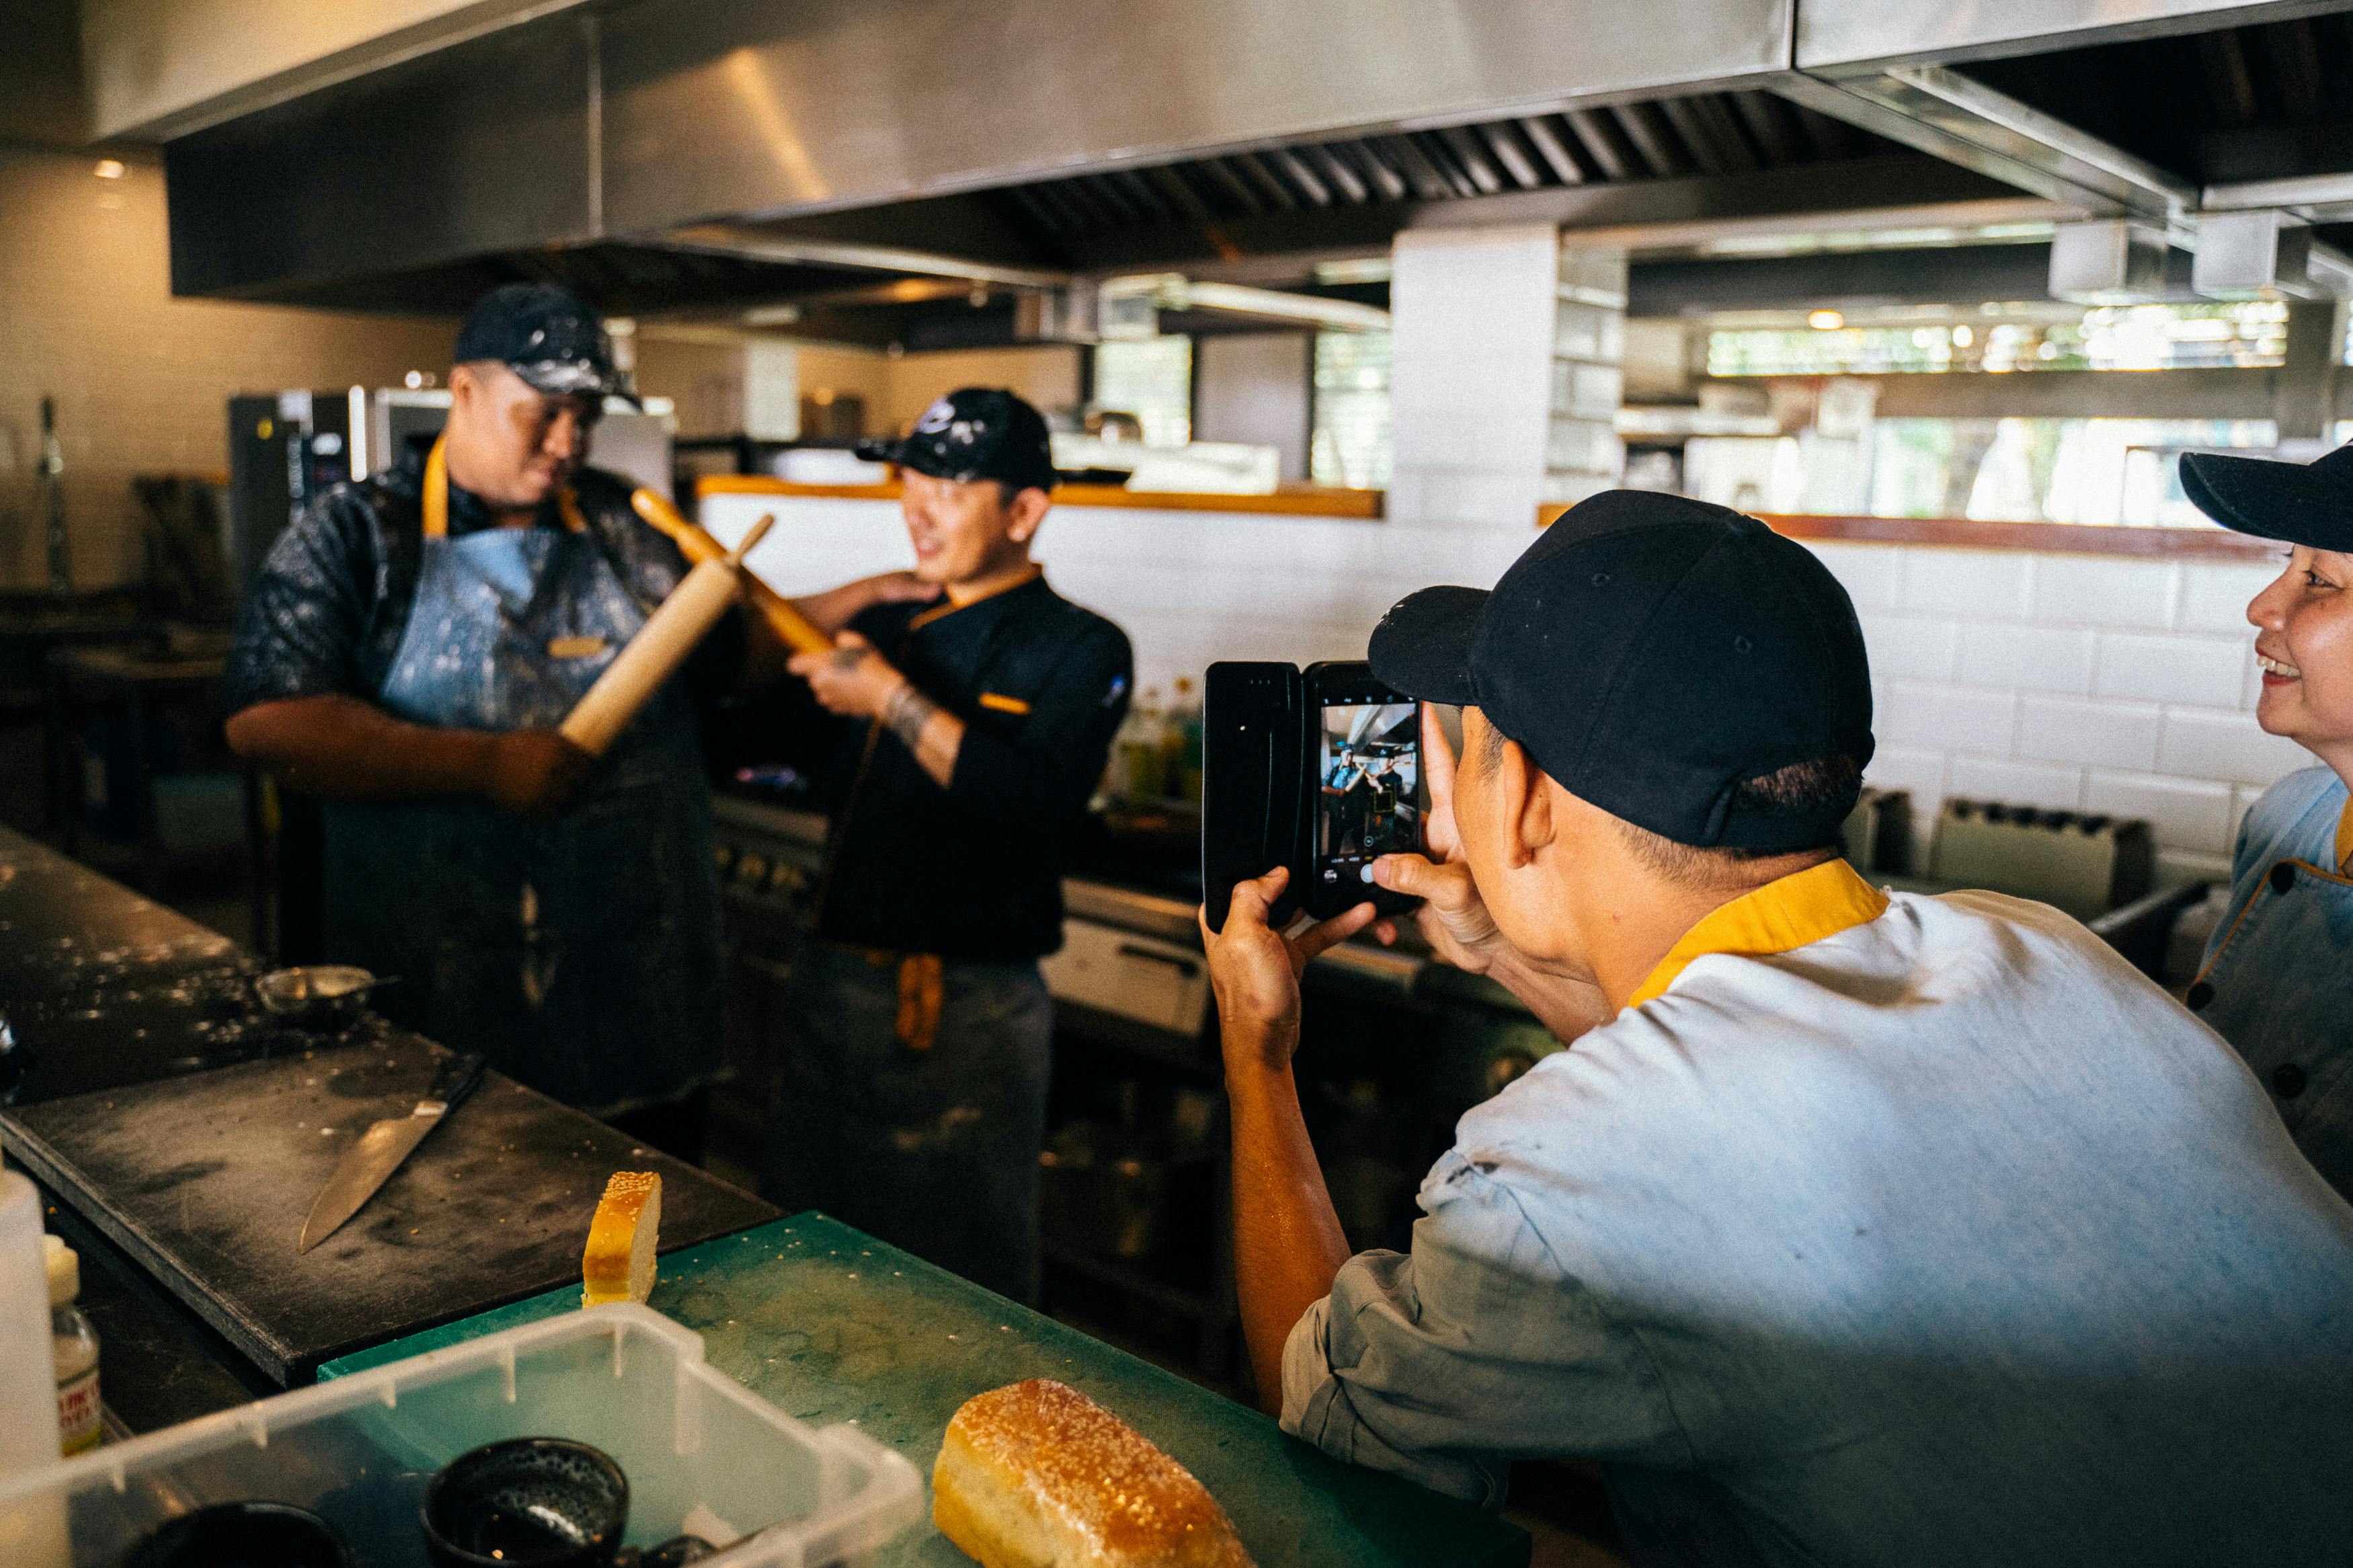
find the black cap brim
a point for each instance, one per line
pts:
(906, 454)
(1422, 646)
(2286, 502)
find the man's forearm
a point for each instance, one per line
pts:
(1288, 1246)
(340, 748)
(933, 734)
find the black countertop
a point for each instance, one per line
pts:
(181, 1134)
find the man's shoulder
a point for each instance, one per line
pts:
(1076, 627)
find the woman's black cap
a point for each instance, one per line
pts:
(975, 432)
(2297, 503)
(549, 336)
(1653, 652)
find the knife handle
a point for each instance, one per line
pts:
(456, 1079)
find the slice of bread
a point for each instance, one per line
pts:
(1037, 1475)
(619, 1265)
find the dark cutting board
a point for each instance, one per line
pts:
(205, 1181)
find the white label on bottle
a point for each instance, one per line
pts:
(78, 1419)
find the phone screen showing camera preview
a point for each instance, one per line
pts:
(1368, 789)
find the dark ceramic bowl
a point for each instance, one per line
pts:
(242, 1535)
(529, 1502)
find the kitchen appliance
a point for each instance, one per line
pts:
(2084, 865)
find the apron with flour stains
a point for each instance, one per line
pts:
(578, 952)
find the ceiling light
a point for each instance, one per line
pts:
(1825, 320)
(109, 169)
(772, 315)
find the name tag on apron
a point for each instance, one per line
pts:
(576, 648)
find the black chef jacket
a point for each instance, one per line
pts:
(973, 871)
(327, 612)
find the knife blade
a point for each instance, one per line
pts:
(370, 1161)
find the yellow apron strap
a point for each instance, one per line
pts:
(437, 492)
(437, 497)
(920, 993)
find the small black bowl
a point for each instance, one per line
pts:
(528, 1502)
(242, 1535)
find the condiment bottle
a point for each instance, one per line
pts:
(75, 1346)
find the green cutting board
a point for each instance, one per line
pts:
(829, 1325)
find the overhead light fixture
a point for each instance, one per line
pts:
(772, 315)
(1356, 269)
(109, 169)
(1825, 320)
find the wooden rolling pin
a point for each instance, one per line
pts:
(793, 629)
(660, 646)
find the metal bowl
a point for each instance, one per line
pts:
(312, 987)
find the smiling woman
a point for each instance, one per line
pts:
(2275, 982)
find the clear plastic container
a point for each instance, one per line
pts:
(359, 1451)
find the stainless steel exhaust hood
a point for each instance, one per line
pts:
(626, 122)
(815, 152)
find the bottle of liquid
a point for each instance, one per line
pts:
(1183, 743)
(1138, 747)
(75, 1344)
(28, 1391)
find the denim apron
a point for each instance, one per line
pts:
(2278, 984)
(579, 952)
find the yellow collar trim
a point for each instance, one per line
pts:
(2345, 835)
(1793, 912)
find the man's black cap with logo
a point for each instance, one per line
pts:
(975, 432)
(547, 335)
(1653, 652)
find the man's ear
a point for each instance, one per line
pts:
(1024, 512)
(1525, 805)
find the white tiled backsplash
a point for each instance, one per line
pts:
(2075, 681)
(2078, 681)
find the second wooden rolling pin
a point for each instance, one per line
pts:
(793, 629)
(660, 646)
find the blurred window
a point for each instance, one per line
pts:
(1350, 443)
(1151, 378)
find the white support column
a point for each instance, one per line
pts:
(1582, 453)
(1505, 374)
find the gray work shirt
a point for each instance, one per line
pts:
(1947, 1238)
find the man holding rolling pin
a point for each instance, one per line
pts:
(917, 1027)
(406, 655)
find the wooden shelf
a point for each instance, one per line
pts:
(1305, 501)
(1970, 534)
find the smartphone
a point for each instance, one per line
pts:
(1365, 798)
(1253, 782)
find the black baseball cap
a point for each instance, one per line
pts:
(547, 335)
(1651, 653)
(2297, 503)
(975, 432)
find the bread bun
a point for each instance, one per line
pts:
(1037, 1475)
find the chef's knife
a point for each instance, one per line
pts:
(372, 1161)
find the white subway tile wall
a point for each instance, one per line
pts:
(2075, 681)
(1993, 683)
